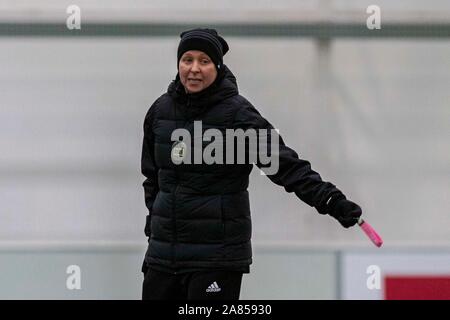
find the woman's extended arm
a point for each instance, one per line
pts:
(296, 175)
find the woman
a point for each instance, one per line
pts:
(199, 225)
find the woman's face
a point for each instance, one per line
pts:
(197, 71)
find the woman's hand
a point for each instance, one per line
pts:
(345, 211)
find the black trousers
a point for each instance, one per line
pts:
(198, 285)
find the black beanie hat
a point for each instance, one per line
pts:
(206, 40)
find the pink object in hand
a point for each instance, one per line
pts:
(370, 232)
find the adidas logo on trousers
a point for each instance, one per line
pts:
(213, 287)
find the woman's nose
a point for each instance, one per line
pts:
(195, 67)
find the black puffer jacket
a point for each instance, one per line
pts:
(199, 214)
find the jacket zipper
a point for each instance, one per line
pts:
(174, 219)
(188, 101)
